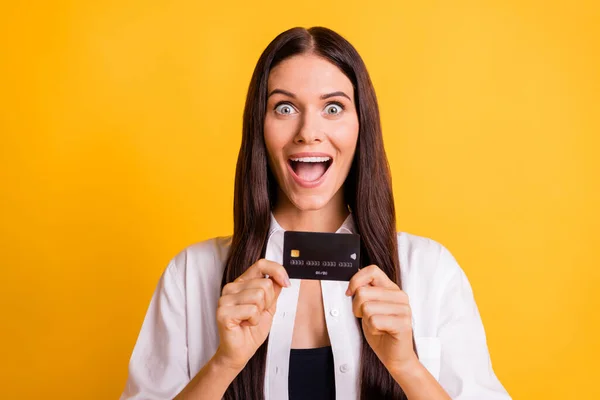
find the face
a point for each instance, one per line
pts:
(311, 129)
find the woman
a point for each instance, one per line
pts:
(227, 322)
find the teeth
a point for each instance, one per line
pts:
(311, 159)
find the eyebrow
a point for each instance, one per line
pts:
(334, 94)
(323, 97)
(281, 91)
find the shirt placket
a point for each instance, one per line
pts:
(344, 335)
(280, 337)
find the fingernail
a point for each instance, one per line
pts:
(348, 292)
(287, 282)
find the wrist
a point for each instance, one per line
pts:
(407, 371)
(223, 363)
(212, 380)
(416, 381)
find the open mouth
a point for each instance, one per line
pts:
(310, 169)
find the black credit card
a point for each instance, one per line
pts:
(323, 256)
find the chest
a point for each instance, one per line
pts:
(310, 327)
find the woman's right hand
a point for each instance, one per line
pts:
(245, 312)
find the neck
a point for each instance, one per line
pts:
(326, 219)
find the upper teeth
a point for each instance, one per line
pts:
(311, 159)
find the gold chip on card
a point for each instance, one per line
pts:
(295, 253)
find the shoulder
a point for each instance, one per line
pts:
(423, 258)
(430, 274)
(202, 261)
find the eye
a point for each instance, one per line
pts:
(334, 109)
(284, 109)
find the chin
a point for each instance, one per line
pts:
(309, 202)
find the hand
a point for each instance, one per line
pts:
(245, 312)
(386, 317)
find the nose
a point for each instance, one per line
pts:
(310, 131)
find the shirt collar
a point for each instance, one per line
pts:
(348, 226)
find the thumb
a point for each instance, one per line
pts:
(277, 290)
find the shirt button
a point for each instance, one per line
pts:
(334, 312)
(344, 368)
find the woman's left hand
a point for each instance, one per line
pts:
(386, 317)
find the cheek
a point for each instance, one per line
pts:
(270, 134)
(345, 137)
(275, 139)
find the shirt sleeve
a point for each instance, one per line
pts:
(158, 368)
(465, 367)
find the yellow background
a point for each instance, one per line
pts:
(120, 123)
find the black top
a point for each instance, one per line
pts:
(311, 374)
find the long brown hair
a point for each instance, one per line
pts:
(367, 191)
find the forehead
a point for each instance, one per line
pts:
(309, 74)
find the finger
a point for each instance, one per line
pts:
(272, 307)
(265, 267)
(232, 316)
(256, 296)
(374, 293)
(387, 324)
(266, 284)
(370, 308)
(371, 275)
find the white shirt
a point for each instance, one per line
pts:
(179, 334)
